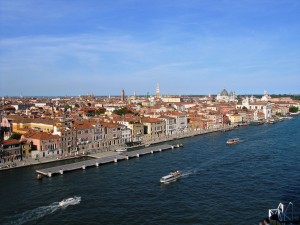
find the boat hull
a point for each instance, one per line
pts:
(170, 178)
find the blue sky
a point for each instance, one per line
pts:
(62, 47)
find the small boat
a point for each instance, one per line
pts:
(170, 177)
(147, 145)
(232, 141)
(121, 150)
(70, 201)
(256, 122)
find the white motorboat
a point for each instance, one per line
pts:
(170, 177)
(121, 150)
(70, 201)
(232, 141)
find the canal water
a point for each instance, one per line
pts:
(222, 184)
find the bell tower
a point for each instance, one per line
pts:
(157, 91)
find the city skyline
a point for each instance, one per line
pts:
(61, 48)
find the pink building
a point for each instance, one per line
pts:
(43, 144)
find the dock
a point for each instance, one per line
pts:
(49, 172)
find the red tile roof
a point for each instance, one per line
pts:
(11, 142)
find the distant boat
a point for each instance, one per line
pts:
(271, 121)
(70, 201)
(147, 145)
(287, 117)
(232, 141)
(170, 177)
(121, 150)
(256, 122)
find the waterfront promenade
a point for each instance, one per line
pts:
(103, 160)
(110, 151)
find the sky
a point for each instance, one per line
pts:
(62, 47)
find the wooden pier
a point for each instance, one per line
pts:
(97, 162)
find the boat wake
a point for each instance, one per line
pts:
(186, 173)
(35, 214)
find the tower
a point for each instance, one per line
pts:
(123, 95)
(157, 91)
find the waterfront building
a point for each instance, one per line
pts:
(170, 124)
(112, 135)
(12, 150)
(181, 120)
(235, 119)
(137, 130)
(197, 122)
(84, 135)
(26, 149)
(261, 106)
(153, 127)
(126, 135)
(43, 144)
(134, 126)
(216, 118)
(68, 139)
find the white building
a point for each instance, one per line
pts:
(264, 107)
(181, 121)
(225, 97)
(266, 97)
(171, 125)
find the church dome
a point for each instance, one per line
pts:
(224, 93)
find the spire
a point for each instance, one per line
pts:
(157, 91)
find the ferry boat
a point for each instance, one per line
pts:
(170, 177)
(232, 141)
(70, 201)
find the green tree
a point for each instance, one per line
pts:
(122, 111)
(15, 136)
(100, 111)
(293, 109)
